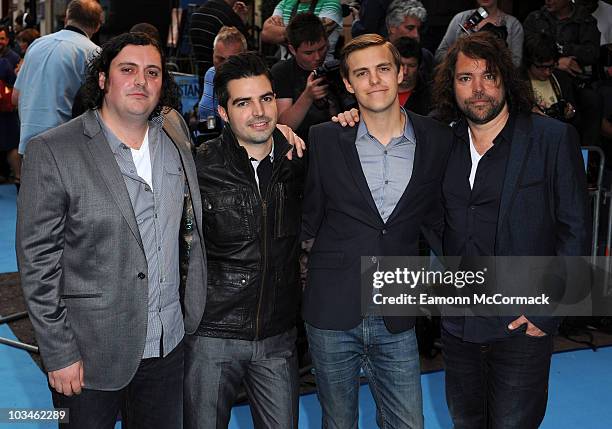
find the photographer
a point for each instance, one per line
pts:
(552, 90)
(303, 97)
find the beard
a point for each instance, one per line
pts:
(484, 115)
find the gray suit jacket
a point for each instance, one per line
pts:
(80, 254)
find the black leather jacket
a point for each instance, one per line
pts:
(252, 241)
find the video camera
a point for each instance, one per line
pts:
(330, 71)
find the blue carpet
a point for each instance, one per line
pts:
(8, 213)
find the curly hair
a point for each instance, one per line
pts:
(93, 95)
(482, 46)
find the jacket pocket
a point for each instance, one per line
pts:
(288, 209)
(227, 216)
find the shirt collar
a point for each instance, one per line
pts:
(409, 135)
(270, 155)
(114, 142)
(460, 129)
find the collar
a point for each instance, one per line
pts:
(76, 30)
(460, 128)
(114, 142)
(270, 155)
(408, 134)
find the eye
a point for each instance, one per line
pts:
(361, 73)
(490, 76)
(267, 98)
(127, 69)
(463, 78)
(153, 73)
(384, 68)
(242, 104)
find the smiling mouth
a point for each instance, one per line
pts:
(259, 125)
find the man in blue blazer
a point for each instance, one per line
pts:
(514, 185)
(369, 191)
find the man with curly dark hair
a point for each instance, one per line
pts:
(109, 225)
(514, 186)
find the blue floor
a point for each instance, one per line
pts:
(580, 381)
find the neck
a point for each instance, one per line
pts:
(131, 135)
(4, 50)
(493, 11)
(385, 125)
(483, 134)
(257, 150)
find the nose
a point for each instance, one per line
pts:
(374, 78)
(257, 109)
(139, 78)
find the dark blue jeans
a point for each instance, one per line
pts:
(152, 399)
(391, 363)
(216, 367)
(497, 385)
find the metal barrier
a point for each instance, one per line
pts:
(596, 194)
(13, 343)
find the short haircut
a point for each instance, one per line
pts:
(149, 29)
(86, 13)
(362, 42)
(408, 48)
(244, 65)
(486, 46)
(305, 28)
(539, 48)
(229, 35)
(93, 95)
(27, 36)
(400, 9)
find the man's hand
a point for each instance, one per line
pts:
(68, 381)
(569, 65)
(349, 117)
(293, 139)
(532, 330)
(329, 25)
(242, 10)
(315, 88)
(276, 20)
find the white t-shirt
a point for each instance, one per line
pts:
(476, 157)
(142, 160)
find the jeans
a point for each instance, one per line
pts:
(499, 385)
(391, 363)
(216, 367)
(152, 399)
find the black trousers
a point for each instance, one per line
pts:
(501, 384)
(152, 399)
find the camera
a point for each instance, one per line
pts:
(474, 19)
(330, 71)
(557, 110)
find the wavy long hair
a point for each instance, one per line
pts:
(482, 46)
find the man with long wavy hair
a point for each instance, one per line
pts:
(514, 186)
(109, 223)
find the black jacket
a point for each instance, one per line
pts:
(577, 35)
(251, 241)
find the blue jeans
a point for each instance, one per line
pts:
(391, 363)
(216, 367)
(502, 384)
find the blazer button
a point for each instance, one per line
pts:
(384, 231)
(141, 276)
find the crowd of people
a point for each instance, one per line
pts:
(161, 276)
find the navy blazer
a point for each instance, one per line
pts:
(340, 213)
(544, 208)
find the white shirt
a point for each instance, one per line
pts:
(142, 160)
(603, 15)
(476, 157)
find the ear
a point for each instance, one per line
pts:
(400, 75)
(348, 85)
(223, 113)
(101, 80)
(292, 50)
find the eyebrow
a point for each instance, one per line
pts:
(127, 63)
(241, 99)
(376, 66)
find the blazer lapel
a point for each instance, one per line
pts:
(107, 166)
(519, 149)
(349, 149)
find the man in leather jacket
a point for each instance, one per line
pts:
(251, 199)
